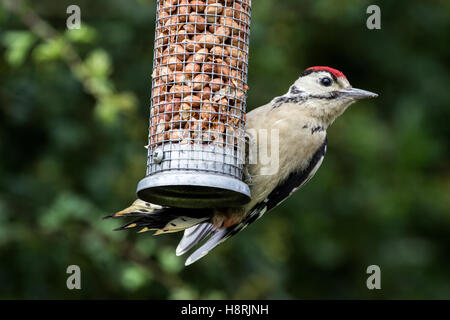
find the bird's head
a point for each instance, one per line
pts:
(325, 93)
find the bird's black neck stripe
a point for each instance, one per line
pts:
(277, 102)
(329, 96)
(295, 90)
(301, 97)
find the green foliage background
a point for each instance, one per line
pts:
(74, 113)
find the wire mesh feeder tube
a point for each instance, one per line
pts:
(197, 118)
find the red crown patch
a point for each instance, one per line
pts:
(334, 72)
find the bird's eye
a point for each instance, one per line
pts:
(326, 81)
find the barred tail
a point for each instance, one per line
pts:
(160, 219)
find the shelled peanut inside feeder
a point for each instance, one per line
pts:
(197, 117)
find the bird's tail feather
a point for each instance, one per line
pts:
(160, 219)
(196, 224)
(193, 236)
(217, 236)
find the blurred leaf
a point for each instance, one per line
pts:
(65, 207)
(85, 34)
(18, 43)
(169, 261)
(183, 294)
(111, 106)
(134, 277)
(99, 63)
(49, 50)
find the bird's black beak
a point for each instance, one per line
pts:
(357, 94)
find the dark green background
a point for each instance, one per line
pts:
(72, 151)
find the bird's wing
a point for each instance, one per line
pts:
(294, 182)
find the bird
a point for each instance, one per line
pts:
(301, 118)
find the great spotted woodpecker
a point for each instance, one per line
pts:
(301, 118)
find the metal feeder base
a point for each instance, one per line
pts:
(193, 190)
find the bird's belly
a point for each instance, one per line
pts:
(294, 154)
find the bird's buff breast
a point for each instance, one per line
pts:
(299, 137)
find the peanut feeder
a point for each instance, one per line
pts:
(196, 144)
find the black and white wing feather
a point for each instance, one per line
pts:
(294, 182)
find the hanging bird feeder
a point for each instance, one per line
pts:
(196, 144)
